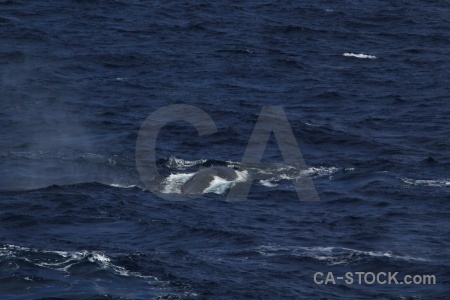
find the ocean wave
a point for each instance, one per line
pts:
(290, 173)
(64, 261)
(123, 186)
(427, 182)
(360, 55)
(182, 164)
(335, 255)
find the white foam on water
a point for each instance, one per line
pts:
(360, 55)
(284, 173)
(241, 176)
(220, 185)
(182, 164)
(173, 183)
(123, 186)
(333, 255)
(319, 171)
(430, 182)
(269, 175)
(268, 183)
(311, 124)
(63, 260)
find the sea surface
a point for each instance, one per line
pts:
(365, 88)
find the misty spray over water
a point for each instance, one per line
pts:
(54, 147)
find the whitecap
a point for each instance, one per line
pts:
(182, 164)
(319, 171)
(172, 183)
(360, 55)
(218, 185)
(268, 183)
(430, 182)
(63, 260)
(334, 255)
(123, 186)
(271, 178)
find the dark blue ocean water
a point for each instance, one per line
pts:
(365, 87)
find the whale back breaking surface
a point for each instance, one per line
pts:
(202, 179)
